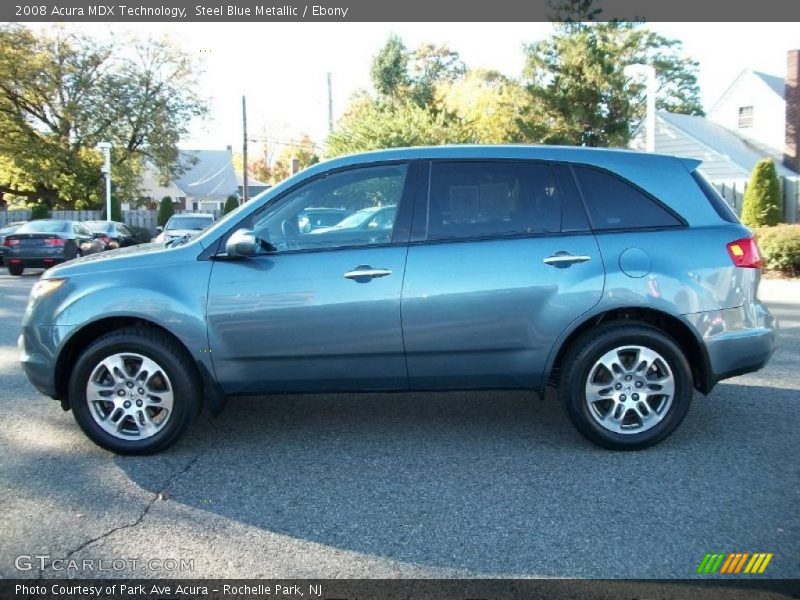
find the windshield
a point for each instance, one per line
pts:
(100, 226)
(9, 229)
(44, 227)
(357, 219)
(193, 223)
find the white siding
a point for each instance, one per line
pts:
(769, 110)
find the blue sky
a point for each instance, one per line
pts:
(282, 67)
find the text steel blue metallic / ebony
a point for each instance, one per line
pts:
(620, 277)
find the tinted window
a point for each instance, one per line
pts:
(365, 202)
(573, 214)
(99, 226)
(476, 199)
(45, 227)
(123, 230)
(723, 209)
(191, 223)
(614, 204)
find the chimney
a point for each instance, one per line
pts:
(791, 157)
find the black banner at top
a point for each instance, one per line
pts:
(387, 11)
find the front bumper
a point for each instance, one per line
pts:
(38, 347)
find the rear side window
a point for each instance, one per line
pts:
(471, 199)
(615, 204)
(723, 209)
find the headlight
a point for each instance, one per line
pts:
(45, 287)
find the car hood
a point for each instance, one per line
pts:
(173, 233)
(143, 255)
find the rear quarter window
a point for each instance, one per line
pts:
(723, 209)
(613, 203)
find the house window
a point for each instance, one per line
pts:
(745, 117)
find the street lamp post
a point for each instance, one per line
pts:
(649, 74)
(106, 148)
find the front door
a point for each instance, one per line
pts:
(322, 311)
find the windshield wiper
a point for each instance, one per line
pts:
(177, 241)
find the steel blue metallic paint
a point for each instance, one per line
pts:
(452, 314)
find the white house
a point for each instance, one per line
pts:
(758, 116)
(206, 182)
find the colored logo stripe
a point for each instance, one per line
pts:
(734, 562)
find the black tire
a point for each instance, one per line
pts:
(579, 363)
(15, 269)
(177, 366)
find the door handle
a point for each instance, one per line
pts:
(366, 272)
(565, 259)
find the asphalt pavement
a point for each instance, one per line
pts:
(489, 484)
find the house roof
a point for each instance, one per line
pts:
(742, 152)
(208, 173)
(777, 84)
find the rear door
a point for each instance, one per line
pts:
(502, 260)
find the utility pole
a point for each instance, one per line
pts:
(330, 104)
(244, 149)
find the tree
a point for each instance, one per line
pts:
(63, 92)
(490, 108)
(372, 125)
(431, 67)
(303, 150)
(40, 211)
(389, 69)
(576, 79)
(231, 204)
(762, 199)
(165, 210)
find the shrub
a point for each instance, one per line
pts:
(116, 210)
(142, 235)
(780, 248)
(231, 203)
(165, 210)
(762, 200)
(40, 211)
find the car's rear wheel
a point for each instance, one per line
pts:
(15, 269)
(626, 386)
(134, 391)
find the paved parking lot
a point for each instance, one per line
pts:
(388, 485)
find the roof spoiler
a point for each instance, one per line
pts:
(691, 164)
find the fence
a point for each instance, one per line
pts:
(147, 219)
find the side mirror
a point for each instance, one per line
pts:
(159, 229)
(242, 244)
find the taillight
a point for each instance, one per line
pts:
(744, 253)
(53, 241)
(10, 242)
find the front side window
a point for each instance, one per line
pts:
(349, 208)
(471, 199)
(615, 204)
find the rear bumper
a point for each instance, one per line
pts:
(35, 263)
(737, 341)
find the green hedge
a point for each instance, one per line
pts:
(780, 248)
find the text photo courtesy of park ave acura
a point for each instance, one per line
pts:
(399, 301)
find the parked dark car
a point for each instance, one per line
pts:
(621, 277)
(315, 217)
(112, 234)
(46, 243)
(8, 229)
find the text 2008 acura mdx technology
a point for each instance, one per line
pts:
(621, 277)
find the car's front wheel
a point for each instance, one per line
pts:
(626, 386)
(134, 391)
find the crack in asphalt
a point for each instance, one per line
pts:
(156, 495)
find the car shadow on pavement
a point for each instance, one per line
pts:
(493, 483)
